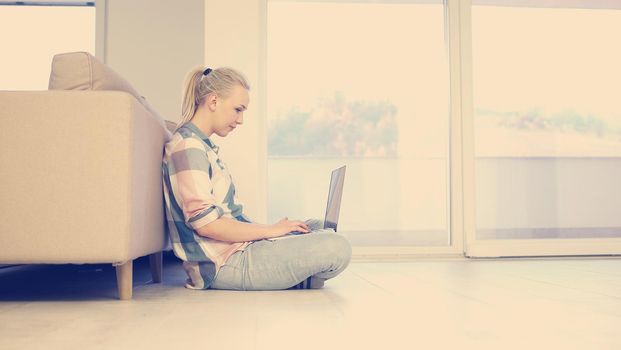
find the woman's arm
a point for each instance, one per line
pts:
(230, 230)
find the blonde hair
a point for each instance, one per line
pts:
(198, 85)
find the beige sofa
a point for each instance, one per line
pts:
(80, 178)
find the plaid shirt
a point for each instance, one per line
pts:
(198, 190)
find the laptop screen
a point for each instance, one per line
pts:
(334, 198)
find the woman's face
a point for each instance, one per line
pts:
(229, 111)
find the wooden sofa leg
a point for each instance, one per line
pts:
(155, 260)
(124, 280)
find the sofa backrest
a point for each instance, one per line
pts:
(82, 71)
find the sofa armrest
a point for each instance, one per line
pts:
(75, 165)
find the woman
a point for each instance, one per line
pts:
(220, 247)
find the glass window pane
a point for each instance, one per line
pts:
(363, 85)
(547, 121)
(32, 35)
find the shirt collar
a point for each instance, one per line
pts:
(202, 135)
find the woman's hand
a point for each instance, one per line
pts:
(285, 226)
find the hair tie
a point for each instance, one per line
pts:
(207, 71)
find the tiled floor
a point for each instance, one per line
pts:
(489, 304)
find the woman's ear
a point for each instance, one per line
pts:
(211, 101)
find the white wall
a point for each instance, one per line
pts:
(244, 150)
(153, 44)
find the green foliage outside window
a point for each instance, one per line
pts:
(336, 127)
(565, 121)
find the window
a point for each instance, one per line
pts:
(544, 90)
(33, 33)
(547, 119)
(363, 85)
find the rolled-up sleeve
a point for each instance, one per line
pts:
(190, 174)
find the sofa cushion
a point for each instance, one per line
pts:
(82, 71)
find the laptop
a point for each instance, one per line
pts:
(333, 207)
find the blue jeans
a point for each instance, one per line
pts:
(284, 263)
